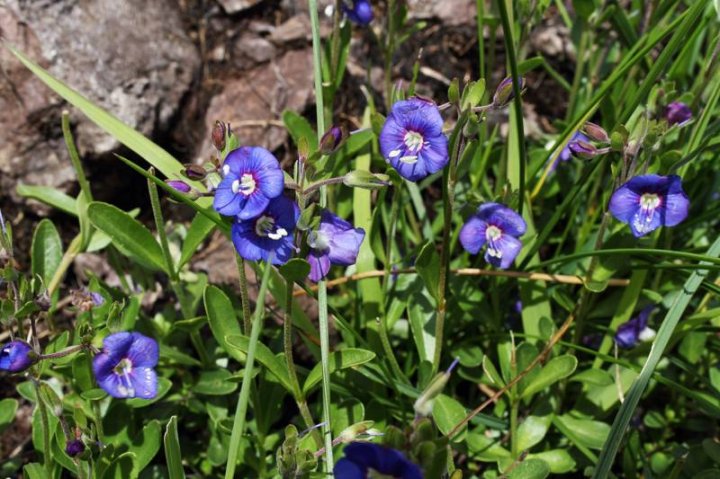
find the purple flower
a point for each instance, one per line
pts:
(358, 11)
(17, 356)
(631, 332)
(252, 177)
(677, 113)
(271, 232)
(74, 447)
(497, 226)
(360, 457)
(334, 242)
(650, 201)
(566, 152)
(412, 140)
(124, 368)
(97, 299)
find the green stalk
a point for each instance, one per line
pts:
(185, 306)
(322, 286)
(244, 297)
(47, 456)
(75, 157)
(517, 103)
(242, 405)
(389, 51)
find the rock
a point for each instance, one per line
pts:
(253, 102)
(236, 6)
(296, 28)
(133, 58)
(462, 12)
(255, 49)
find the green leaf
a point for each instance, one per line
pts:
(8, 408)
(593, 377)
(555, 370)
(47, 251)
(200, 228)
(149, 151)
(222, 320)
(299, 128)
(122, 467)
(343, 359)
(173, 455)
(530, 469)
(532, 431)
(128, 234)
(264, 356)
(559, 460)
(428, 266)
(295, 270)
(485, 448)
(215, 382)
(589, 433)
(34, 471)
(145, 446)
(95, 394)
(49, 196)
(448, 412)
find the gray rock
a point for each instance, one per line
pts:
(236, 6)
(450, 13)
(132, 57)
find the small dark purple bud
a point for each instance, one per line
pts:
(596, 133)
(195, 172)
(218, 135)
(504, 93)
(17, 356)
(582, 149)
(74, 448)
(179, 185)
(677, 113)
(332, 140)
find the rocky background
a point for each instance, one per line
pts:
(170, 68)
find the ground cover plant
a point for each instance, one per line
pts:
(429, 292)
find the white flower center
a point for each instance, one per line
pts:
(492, 235)
(413, 141)
(245, 185)
(643, 219)
(124, 369)
(265, 227)
(649, 201)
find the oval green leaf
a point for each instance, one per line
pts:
(343, 359)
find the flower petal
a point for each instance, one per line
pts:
(345, 246)
(472, 234)
(143, 351)
(346, 469)
(624, 203)
(319, 266)
(271, 181)
(504, 253)
(677, 203)
(226, 202)
(144, 382)
(506, 219)
(253, 206)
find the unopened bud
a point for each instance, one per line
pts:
(218, 135)
(350, 433)
(583, 149)
(179, 186)
(677, 113)
(365, 179)
(74, 447)
(17, 356)
(505, 93)
(596, 133)
(195, 172)
(332, 140)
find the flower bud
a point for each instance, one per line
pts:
(195, 172)
(504, 93)
(218, 135)
(350, 433)
(332, 140)
(179, 186)
(582, 149)
(365, 179)
(74, 447)
(677, 113)
(596, 133)
(17, 356)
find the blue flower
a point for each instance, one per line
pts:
(412, 140)
(251, 178)
(631, 332)
(650, 201)
(334, 242)
(124, 368)
(271, 232)
(677, 113)
(360, 457)
(17, 356)
(497, 226)
(358, 11)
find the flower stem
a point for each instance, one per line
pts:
(242, 405)
(47, 456)
(322, 286)
(244, 297)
